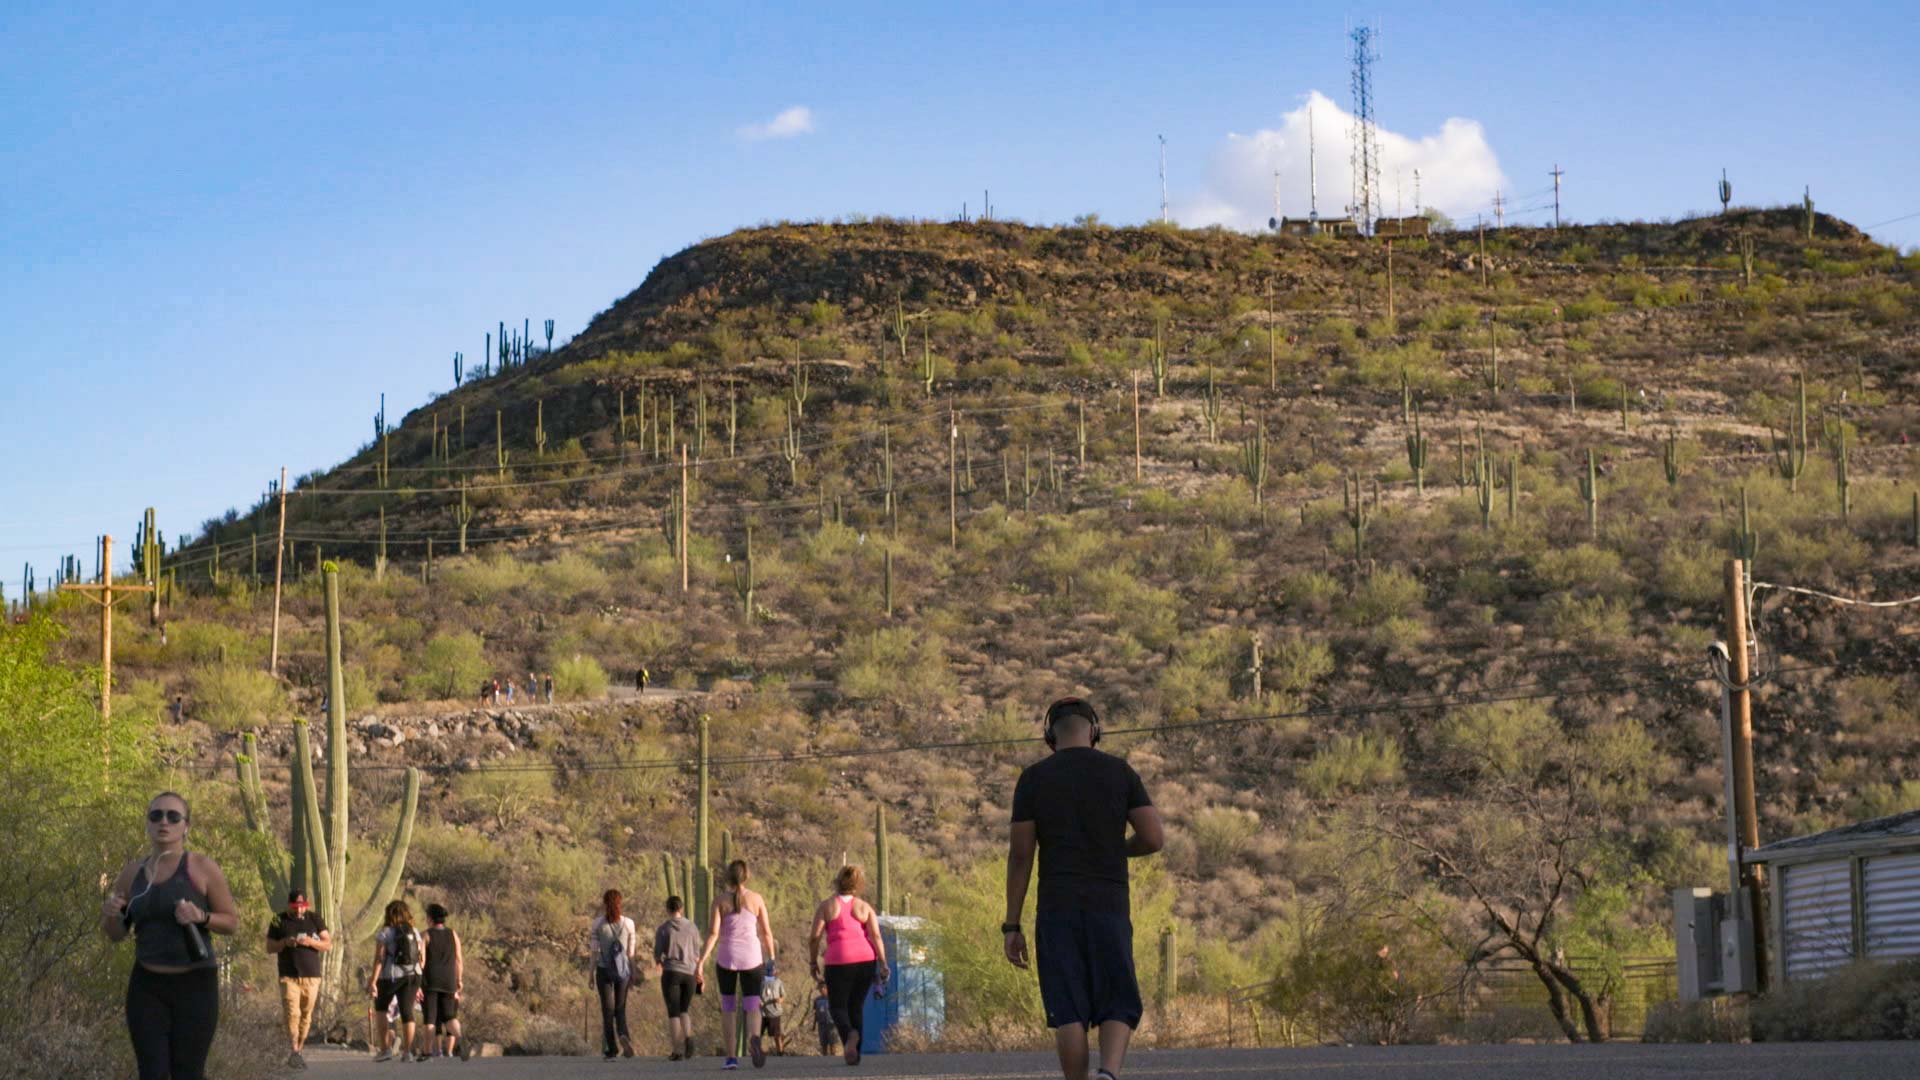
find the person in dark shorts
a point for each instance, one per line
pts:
(823, 1018)
(396, 978)
(1074, 808)
(298, 936)
(773, 1010)
(170, 900)
(676, 948)
(443, 978)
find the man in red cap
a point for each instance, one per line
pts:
(298, 937)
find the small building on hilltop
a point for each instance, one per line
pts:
(1341, 226)
(1847, 894)
(1402, 228)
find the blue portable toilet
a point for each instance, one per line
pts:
(917, 996)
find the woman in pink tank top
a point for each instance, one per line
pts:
(737, 928)
(855, 955)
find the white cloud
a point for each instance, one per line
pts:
(793, 121)
(1458, 170)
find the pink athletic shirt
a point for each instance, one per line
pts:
(847, 941)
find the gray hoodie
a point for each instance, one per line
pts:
(676, 945)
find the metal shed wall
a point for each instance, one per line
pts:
(1816, 918)
(1891, 899)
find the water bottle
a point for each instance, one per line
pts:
(197, 949)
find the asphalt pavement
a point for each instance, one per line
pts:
(1611, 1061)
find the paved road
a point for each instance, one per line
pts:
(1623, 1061)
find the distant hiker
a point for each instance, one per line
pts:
(397, 953)
(169, 900)
(738, 927)
(298, 936)
(509, 690)
(496, 691)
(676, 948)
(1074, 806)
(547, 685)
(611, 937)
(855, 955)
(773, 1008)
(486, 692)
(443, 978)
(179, 708)
(823, 1016)
(533, 689)
(641, 679)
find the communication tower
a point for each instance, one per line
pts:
(1366, 134)
(1163, 179)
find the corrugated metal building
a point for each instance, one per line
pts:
(1842, 895)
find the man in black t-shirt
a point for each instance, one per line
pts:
(298, 936)
(1074, 808)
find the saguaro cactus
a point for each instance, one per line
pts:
(1157, 356)
(549, 335)
(500, 453)
(800, 390)
(317, 860)
(926, 358)
(743, 579)
(463, 514)
(1417, 453)
(1745, 541)
(1484, 485)
(540, 428)
(790, 447)
(882, 871)
(1358, 513)
(1253, 462)
(1590, 494)
(1210, 407)
(1790, 449)
(1842, 480)
(1670, 458)
(458, 358)
(1726, 192)
(1169, 966)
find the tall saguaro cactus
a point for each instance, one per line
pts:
(1790, 449)
(1590, 494)
(1745, 541)
(1417, 453)
(743, 579)
(317, 860)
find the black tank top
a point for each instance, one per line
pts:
(439, 968)
(159, 939)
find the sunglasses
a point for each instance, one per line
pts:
(171, 817)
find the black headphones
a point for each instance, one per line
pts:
(1071, 706)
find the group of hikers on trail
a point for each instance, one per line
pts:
(495, 692)
(1082, 812)
(847, 958)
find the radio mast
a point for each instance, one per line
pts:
(1366, 135)
(1163, 179)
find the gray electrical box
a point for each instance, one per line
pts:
(1713, 944)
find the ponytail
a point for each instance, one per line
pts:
(737, 877)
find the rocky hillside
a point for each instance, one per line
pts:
(1391, 529)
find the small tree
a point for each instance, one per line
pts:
(451, 666)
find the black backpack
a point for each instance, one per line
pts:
(403, 948)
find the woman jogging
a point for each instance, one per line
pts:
(676, 948)
(169, 900)
(443, 980)
(611, 938)
(738, 927)
(855, 955)
(398, 951)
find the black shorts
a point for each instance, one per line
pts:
(748, 982)
(677, 988)
(441, 1008)
(1085, 959)
(770, 1025)
(404, 987)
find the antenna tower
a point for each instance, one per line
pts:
(1274, 221)
(1313, 176)
(1366, 134)
(1557, 173)
(1163, 179)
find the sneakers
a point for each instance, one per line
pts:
(731, 1063)
(1103, 1074)
(675, 1056)
(295, 1061)
(852, 1053)
(687, 1055)
(384, 1055)
(757, 1052)
(626, 1046)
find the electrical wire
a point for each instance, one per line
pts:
(1848, 600)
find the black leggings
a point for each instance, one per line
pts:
(613, 1009)
(847, 988)
(172, 1019)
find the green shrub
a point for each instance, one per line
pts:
(1221, 834)
(1352, 763)
(1386, 594)
(450, 668)
(1500, 738)
(232, 698)
(1864, 1001)
(895, 665)
(579, 678)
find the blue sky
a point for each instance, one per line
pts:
(238, 229)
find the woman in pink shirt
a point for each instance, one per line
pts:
(855, 955)
(737, 928)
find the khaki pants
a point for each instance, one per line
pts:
(297, 997)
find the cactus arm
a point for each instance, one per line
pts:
(384, 887)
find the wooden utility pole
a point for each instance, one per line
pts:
(279, 558)
(103, 594)
(686, 511)
(1390, 321)
(953, 480)
(1740, 760)
(1483, 254)
(1136, 425)
(1273, 346)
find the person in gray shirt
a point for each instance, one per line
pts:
(676, 948)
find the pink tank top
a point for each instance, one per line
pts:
(739, 948)
(847, 941)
